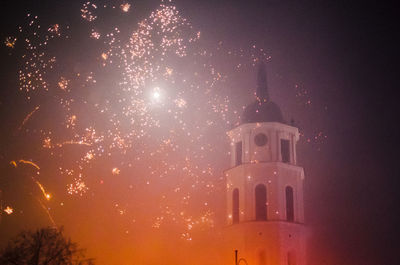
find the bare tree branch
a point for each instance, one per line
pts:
(46, 246)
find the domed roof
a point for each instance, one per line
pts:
(262, 112)
(262, 109)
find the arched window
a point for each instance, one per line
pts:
(261, 202)
(235, 206)
(285, 151)
(291, 258)
(262, 257)
(238, 160)
(289, 204)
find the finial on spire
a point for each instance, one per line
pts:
(262, 87)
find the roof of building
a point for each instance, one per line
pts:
(262, 112)
(262, 109)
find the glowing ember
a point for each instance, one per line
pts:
(125, 7)
(9, 210)
(63, 83)
(87, 11)
(95, 35)
(78, 187)
(10, 42)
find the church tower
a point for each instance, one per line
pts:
(264, 186)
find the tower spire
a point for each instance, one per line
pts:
(262, 86)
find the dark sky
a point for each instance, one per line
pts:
(345, 52)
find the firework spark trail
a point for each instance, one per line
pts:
(46, 195)
(151, 106)
(37, 64)
(47, 212)
(28, 117)
(29, 163)
(73, 143)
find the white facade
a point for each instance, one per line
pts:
(265, 211)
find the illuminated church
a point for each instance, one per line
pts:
(264, 187)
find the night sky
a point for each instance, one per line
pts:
(340, 56)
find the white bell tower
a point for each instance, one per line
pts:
(264, 186)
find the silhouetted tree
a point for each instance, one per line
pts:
(45, 246)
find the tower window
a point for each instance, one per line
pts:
(238, 153)
(285, 151)
(291, 258)
(262, 258)
(235, 206)
(261, 202)
(260, 139)
(289, 204)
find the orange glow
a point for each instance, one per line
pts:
(29, 163)
(125, 7)
(10, 42)
(9, 210)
